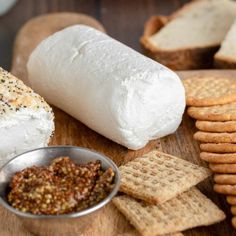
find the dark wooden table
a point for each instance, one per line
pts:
(123, 19)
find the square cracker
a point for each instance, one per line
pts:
(189, 209)
(157, 177)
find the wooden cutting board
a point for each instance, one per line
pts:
(71, 132)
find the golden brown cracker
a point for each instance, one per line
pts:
(233, 210)
(136, 233)
(187, 210)
(218, 147)
(157, 177)
(207, 137)
(234, 221)
(216, 126)
(210, 90)
(226, 189)
(225, 178)
(223, 168)
(226, 112)
(219, 158)
(174, 234)
(231, 200)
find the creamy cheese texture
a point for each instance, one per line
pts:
(26, 120)
(24, 131)
(108, 86)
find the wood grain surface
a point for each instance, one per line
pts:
(69, 131)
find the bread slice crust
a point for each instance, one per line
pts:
(224, 62)
(223, 59)
(178, 59)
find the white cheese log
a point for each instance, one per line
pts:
(111, 88)
(26, 120)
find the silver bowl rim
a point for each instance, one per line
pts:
(70, 215)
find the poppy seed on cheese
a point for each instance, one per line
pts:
(108, 86)
(26, 120)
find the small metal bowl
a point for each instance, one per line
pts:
(69, 224)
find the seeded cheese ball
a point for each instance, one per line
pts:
(111, 88)
(26, 120)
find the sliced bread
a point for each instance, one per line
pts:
(226, 56)
(192, 35)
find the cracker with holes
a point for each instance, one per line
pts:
(226, 112)
(208, 91)
(219, 158)
(231, 200)
(187, 210)
(234, 221)
(207, 137)
(218, 147)
(233, 210)
(225, 178)
(216, 126)
(136, 233)
(226, 189)
(223, 168)
(157, 177)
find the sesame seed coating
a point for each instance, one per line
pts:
(15, 96)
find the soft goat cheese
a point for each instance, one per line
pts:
(26, 120)
(24, 131)
(111, 88)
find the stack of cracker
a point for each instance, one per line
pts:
(160, 198)
(213, 105)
